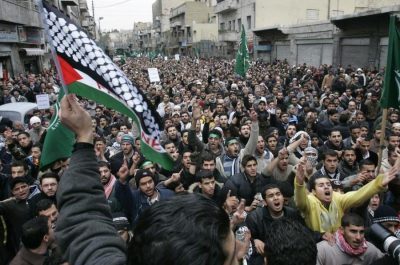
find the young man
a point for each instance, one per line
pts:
(37, 238)
(350, 246)
(206, 185)
(81, 191)
(259, 220)
(323, 208)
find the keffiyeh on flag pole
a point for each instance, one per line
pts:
(88, 72)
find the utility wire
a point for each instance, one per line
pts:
(116, 4)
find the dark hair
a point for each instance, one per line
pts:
(207, 156)
(20, 163)
(168, 142)
(331, 112)
(366, 162)
(288, 242)
(352, 219)
(43, 205)
(248, 158)
(204, 174)
(268, 187)
(391, 150)
(311, 182)
(33, 232)
(50, 175)
(38, 145)
(186, 229)
(354, 126)
(329, 152)
(98, 139)
(103, 164)
(348, 148)
(25, 133)
(335, 129)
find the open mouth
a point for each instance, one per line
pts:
(327, 193)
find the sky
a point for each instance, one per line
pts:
(121, 14)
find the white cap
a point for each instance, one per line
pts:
(35, 119)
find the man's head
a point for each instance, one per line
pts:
(49, 183)
(19, 169)
(352, 229)
(321, 187)
(272, 141)
(355, 131)
(333, 115)
(105, 172)
(214, 139)
(37, 233)
(287, 242)
(19, 188)
(249, 164)
(387, 216)
(35, 122)
(232, 146)
(145, 182)
(274, 199)
(335, 137)
(368, 167)
(172, 132)
(204, 234)
(330, 160)
(349, 156)
(46, 207)
(127, 143)
(208, 162)
(245, 130)
(260, 145)
(206, 181)
(24, 139)
(100, 144)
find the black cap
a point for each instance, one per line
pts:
(120, 221)
(141, 173)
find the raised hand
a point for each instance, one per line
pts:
(76, 118)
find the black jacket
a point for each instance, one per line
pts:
(240, 186)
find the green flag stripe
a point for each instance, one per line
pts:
(109, 101)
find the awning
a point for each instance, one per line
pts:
(33, 51)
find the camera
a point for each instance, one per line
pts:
(386, 241)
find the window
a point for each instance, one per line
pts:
(248, 22)
(312, 14)
(222, 26)
(239, 24)
(233, 25)
(230, 26)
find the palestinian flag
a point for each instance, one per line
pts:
(88, 72)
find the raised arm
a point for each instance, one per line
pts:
(81, 199)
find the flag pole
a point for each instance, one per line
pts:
(382, 138)
(52, 48)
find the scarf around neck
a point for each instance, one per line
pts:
(109, 186)
(346, 248)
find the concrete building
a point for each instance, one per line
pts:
(86, 20)
(21, 38)
(231, 15)
(183, 19)
(144, 39)
(357, 37)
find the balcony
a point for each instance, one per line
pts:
(225, 35)
(174, 24)
(19, 12)
(226, 6)
(70, 2)
(83, 6)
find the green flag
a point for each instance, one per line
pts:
(58, 141)
(242, 57)
(391, 88)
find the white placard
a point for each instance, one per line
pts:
(43, 101)
(177, 57)
(1, 70)
(153, 75)
(166, 58)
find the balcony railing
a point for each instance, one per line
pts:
(20, 12)
(226, 6)
(70, 2)
(225, 35)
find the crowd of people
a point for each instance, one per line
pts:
(282, 166)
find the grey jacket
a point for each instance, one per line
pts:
(85, 231)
